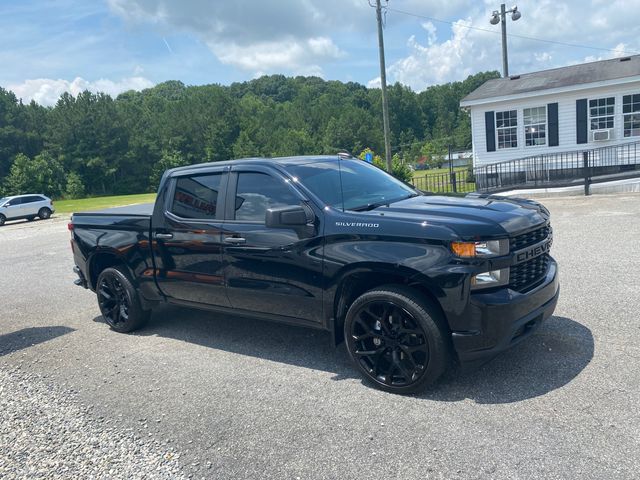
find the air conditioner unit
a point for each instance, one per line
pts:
(602, 135)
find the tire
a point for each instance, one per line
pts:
(44, 213)
(396, 338)
(119, 301)
(2, 220)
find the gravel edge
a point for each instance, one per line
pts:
(45, 432)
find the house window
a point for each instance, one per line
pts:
(601, 112)
(535, 126)
(507, 127)
(631, 113)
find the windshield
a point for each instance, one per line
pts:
(2, 200)
(351, 184)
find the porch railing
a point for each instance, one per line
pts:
(561, 169)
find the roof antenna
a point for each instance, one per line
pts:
(344, 154)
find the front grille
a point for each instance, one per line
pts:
(529, 274)
(529, 238)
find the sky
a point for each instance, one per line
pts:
(49, 47)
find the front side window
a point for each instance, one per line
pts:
(507, 128)
(535, 126)
(601, 113)
(197, 196)
(257, 192)
(631, 114)
(350, 184)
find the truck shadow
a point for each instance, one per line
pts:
(547, 361)
(28, 337)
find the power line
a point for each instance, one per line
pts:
(555, 42)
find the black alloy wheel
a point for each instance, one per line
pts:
(119, 302)
(394, 340)
(113, 300)
(2, 220)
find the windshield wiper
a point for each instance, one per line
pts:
(372, 206)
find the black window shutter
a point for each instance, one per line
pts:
(581, 121)
(490, 130)
(552, 118)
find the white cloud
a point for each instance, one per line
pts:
(431, 32)
(255, 36)
(47, 91)
(374, 83)
(289, 54)
(543, 57)
(435, 62)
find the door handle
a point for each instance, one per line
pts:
(164, 236)
(235, 240)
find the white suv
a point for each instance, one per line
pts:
(25, 206)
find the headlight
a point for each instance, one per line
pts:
(489, 248)
(493, 278)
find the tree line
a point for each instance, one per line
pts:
(93, 144)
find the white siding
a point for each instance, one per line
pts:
(566, 123)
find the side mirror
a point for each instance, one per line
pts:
(290, 216)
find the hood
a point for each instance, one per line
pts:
(471, 216)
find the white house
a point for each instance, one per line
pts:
(553, 111)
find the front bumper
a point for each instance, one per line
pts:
(506, 318)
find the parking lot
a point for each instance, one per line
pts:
(209, 396)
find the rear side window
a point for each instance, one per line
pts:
(258, 191)
(197, 196)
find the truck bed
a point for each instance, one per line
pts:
(145, 209)
(135, 218)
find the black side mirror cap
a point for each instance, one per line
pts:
(290, 216)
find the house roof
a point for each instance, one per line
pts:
(604, 70)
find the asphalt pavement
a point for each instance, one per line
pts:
(232, 398)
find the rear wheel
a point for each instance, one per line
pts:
(2, 219)
(44, 213)
(119, 301)
(394, 337)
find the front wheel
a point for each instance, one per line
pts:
(395, 338)
(119, 301)
(44, 213)
(2, 219)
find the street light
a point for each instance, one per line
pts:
(496, 17)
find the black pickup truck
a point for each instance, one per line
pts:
(410, 281)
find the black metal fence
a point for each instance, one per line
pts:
(459, 181)
(561, 169)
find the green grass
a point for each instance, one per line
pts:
(437, 180)
(98, 203)
(436, 171)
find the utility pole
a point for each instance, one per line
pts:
(501, 16)
(503, 24)
(383, 85)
